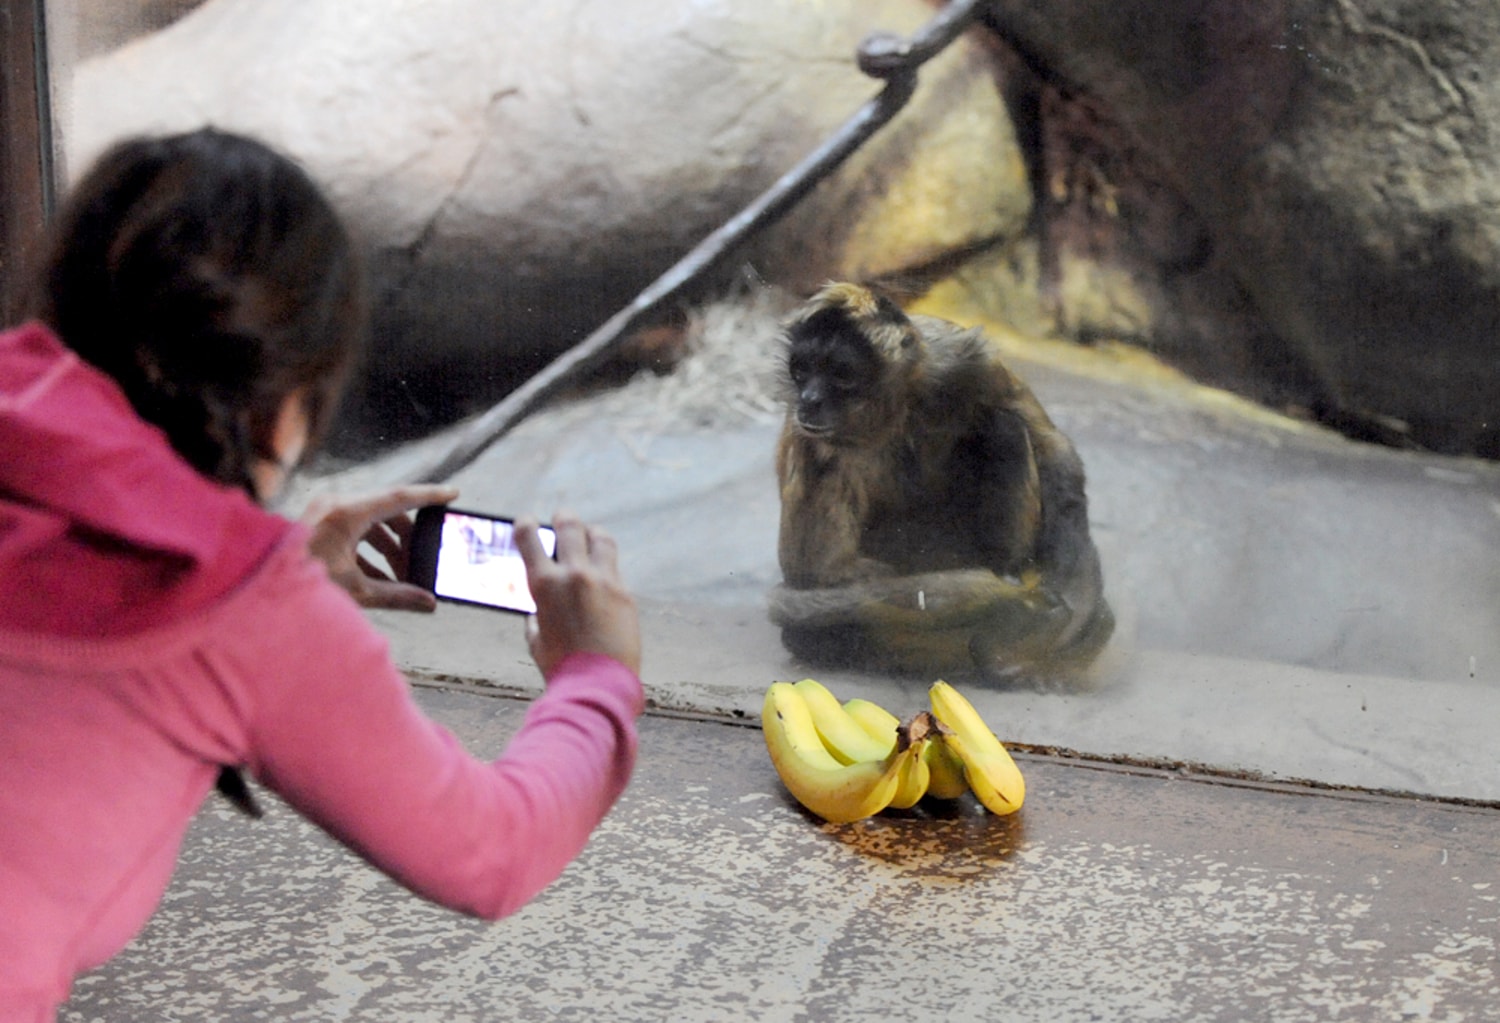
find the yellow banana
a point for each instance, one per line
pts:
(916, 734)
(836, 792)
(875, 720)
(914, 780)
(945, 770)
(988, 767)
(871, 734)
(841, 734)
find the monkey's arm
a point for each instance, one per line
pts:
(823, 508)
(1065, 551)
(1036, 509)
(1009, 492)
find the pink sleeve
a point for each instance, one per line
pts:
(336, 733)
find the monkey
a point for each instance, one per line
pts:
(933, 518)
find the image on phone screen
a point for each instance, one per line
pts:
(477, 561)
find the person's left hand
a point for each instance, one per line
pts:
(382, 521)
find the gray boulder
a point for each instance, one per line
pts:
(520, 171)
(1329, 174)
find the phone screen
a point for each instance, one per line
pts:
(477, 561)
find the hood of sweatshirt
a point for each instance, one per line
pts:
(105, 531)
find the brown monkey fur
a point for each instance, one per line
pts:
(933, 519)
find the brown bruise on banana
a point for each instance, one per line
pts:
(920, 727)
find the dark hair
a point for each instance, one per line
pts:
(209, 276)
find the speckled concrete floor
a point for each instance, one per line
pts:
(708, 895)
(1290, 625)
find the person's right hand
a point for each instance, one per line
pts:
(581, 601)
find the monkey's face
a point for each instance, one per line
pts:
(851, 356)
(837, 381)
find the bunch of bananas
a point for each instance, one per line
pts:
(846, 761)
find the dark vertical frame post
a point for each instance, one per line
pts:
(23, 145)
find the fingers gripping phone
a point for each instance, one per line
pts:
(471, 558)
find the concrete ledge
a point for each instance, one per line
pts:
(1272, 720)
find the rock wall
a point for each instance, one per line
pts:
(1338, 160)
(520, 171)
(1298, 200)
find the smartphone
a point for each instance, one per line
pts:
(471, 558)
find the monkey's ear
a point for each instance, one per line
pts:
(886, 308)
(855, 300)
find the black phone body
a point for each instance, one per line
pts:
(469, 557)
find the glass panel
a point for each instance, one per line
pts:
(1297, 522)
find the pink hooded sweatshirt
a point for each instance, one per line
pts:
(155, 625)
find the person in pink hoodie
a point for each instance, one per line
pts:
(199, 311)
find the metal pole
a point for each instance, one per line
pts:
(890, 58)
(25, 146)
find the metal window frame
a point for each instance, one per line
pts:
(25, 145)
